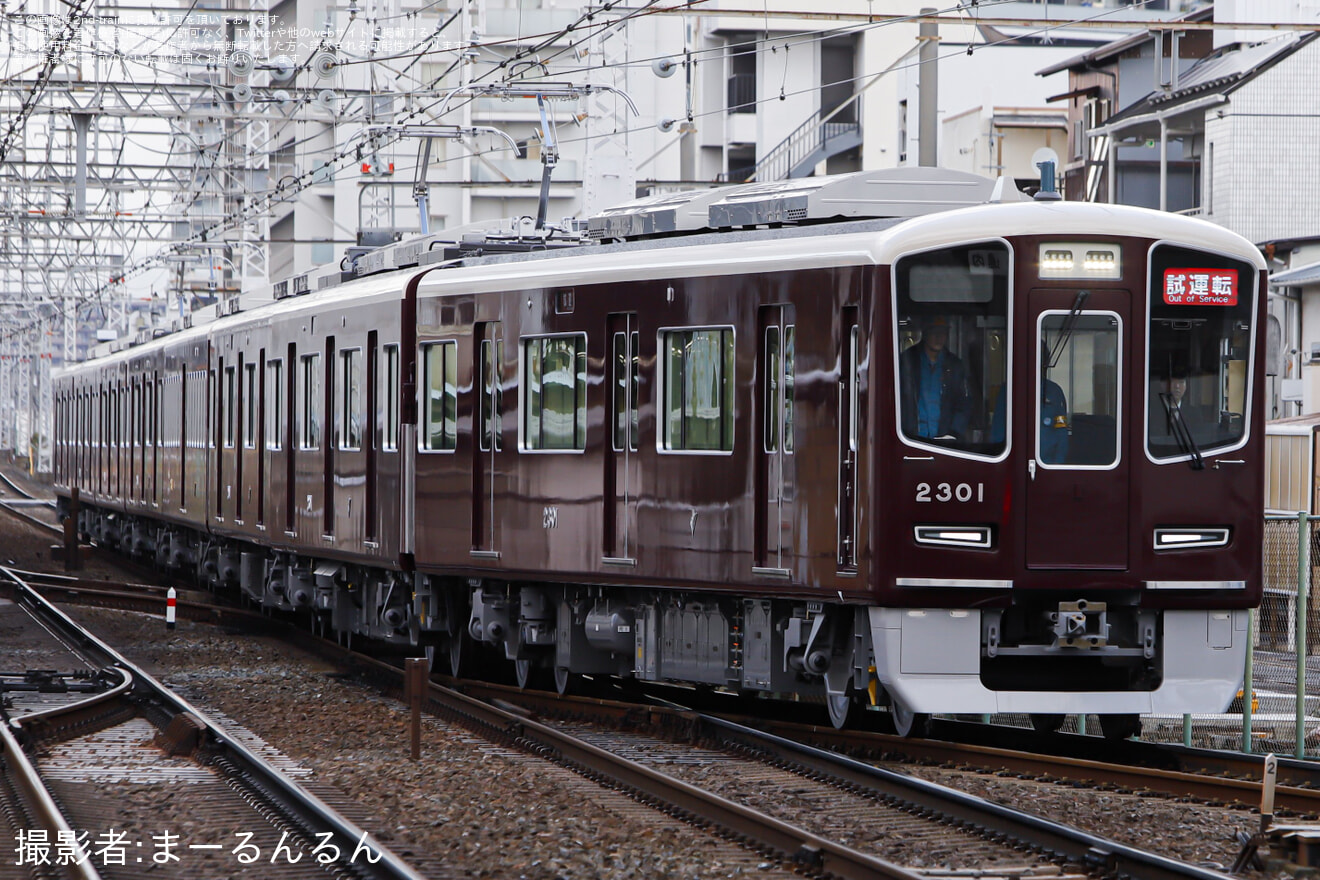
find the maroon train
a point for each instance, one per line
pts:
(1002, 458)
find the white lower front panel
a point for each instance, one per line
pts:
(930, 659)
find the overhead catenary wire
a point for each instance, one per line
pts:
(291, 185)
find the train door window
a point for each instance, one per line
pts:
(440, 408)
(350, 399)
(492, 429)
(274, 404)
(1202, 306)
(627, 382)
(952, 311)
(854, 395)
(1078, 408)
(250, 406)
(391, 441)
(554, 384)
(778, 387)
(229, 404)
(697, 389)
(311, 401)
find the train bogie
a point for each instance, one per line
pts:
(999, 459)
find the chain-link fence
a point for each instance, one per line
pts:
(1287, 641)
(1279, 708)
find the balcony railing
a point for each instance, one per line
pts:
(742, 93)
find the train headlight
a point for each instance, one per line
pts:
(978, 537)
(1081, 260)
(1190, 538)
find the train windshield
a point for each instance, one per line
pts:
(951, 306)
(1200, 348)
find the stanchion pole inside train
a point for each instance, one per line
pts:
(1303, 587)
(1248, 681)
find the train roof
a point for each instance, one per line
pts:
(865, 242)
(785, 225)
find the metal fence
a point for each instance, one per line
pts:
(1283, 716)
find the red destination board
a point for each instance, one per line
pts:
(1201, 287)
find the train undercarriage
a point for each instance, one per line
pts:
(1046, 657)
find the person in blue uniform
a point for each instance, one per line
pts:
(1054, 428)
(1054, 425)
(935, 398)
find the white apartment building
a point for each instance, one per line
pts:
(637, 100)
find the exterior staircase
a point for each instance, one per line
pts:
(811, 143)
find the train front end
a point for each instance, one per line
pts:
(1073, 517)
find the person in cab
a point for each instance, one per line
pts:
(936, 401)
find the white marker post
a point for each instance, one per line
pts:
(1267, 783)
(1249, 855)
(170, 602)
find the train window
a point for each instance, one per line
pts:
(274, 403)
(627, 382)
(350, 401)
(311, 401)
(440, 415)
(778, 389)
(555, 385)
(391, 442)
(952, 312)
(1077, 406)
(1200, 346)
(250, 407)
(229, 404)
(854, 384)
(492, 394)
(697, 388)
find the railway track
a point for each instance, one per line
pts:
(1208, 776)
(799, 846)
(89, 743)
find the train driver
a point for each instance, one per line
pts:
(1172, 405)
(935, 398)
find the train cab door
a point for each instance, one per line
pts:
(621, 458)
(775, 483)
(489, 344)
(1074, 425)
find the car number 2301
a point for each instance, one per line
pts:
(951, 492)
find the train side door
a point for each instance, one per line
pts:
(487, 418)
(775, 488)
(621, 459)
(1075, 428)
(849, 406)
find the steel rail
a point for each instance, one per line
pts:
(798, 847)
(40, 805)
(1183, 782)
(12, 485)
(42, 721)
(1063, 840)
(1176, 771)
(308, 810)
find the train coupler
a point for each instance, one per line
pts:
(1080, 624)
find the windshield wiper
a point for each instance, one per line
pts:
(1066, 331)
(1182, 433)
